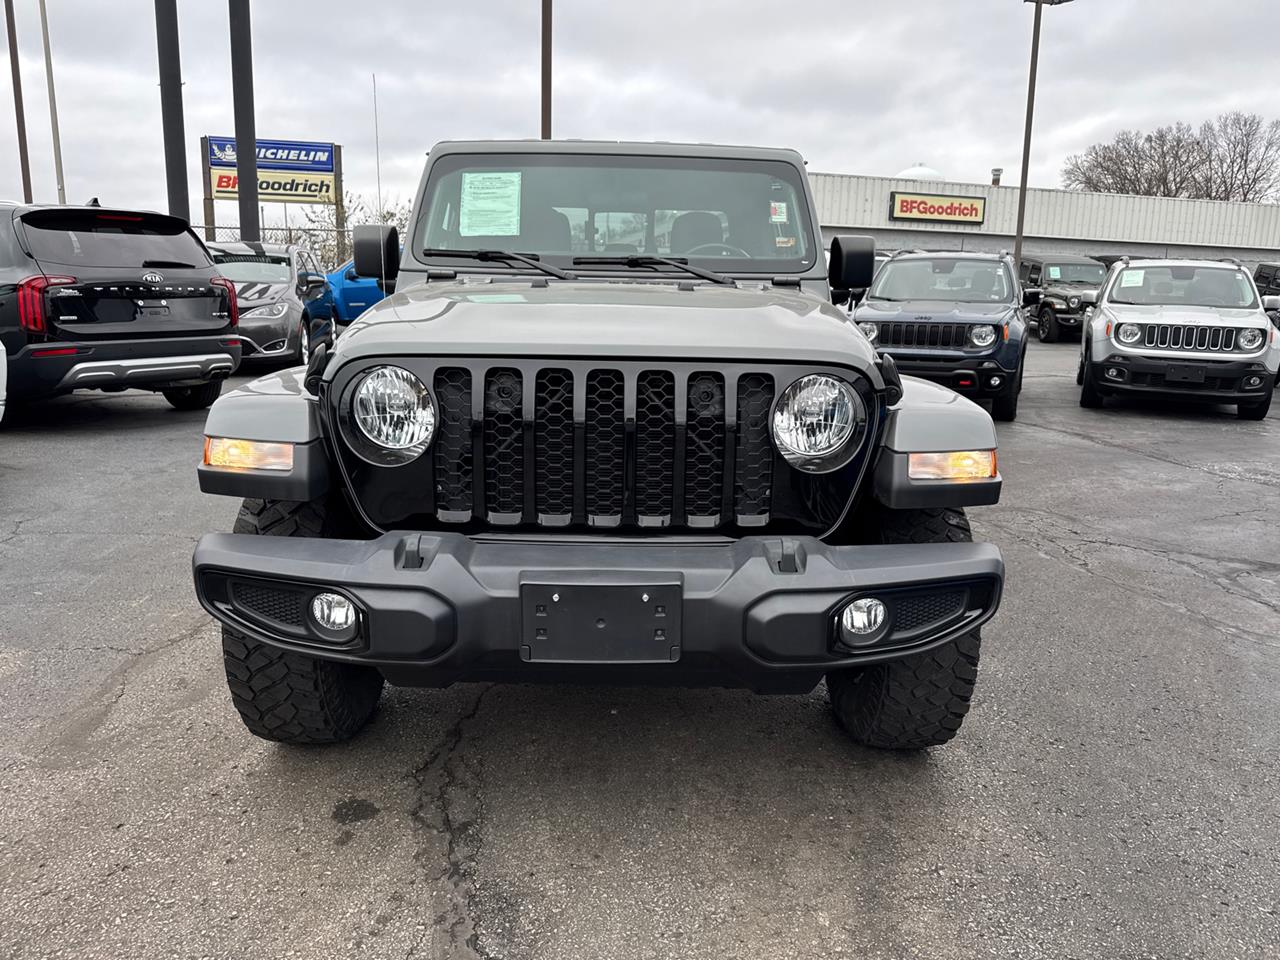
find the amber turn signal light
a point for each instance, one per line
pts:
(226, 453)
(952, 465)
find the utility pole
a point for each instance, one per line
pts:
(546, 69)
(246, 132)
(18, 112)
(1026, 136)
(53, 106)
(175, 148)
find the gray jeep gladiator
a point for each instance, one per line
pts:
(606, 427)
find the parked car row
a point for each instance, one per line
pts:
(111, 299)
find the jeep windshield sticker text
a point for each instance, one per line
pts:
(918, 206)
(490, 204)
(778, 211)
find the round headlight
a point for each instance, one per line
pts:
(817, 422)
(1249, 339)
(1074, 302)
(1129, 333)
(982, 335)
(869, 330)
(392, 410)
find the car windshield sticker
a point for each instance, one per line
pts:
(1132, 278)
(1055, 273)
(778, 211)
(784, 241)
(490, 204)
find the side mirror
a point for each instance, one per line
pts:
(1032, 296)
(1089, 297)
(310, 282)
(350, 276)
(1271, 303)
(853, 262)
(376, 252)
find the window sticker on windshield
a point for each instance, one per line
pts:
(490, 204)
(1132, 278)
(1055, 273)
(784, 241)
(778, 211)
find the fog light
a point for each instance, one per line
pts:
(333, 612)
(1252, 383)
(1115, 373)
(861, 620)
(994, 381)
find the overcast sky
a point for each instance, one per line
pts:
(858, 86)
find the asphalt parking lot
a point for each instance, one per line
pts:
(1112, 794)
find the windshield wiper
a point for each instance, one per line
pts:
(649, 260)
(502, 256)
(166, 263)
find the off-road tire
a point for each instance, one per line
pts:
(1254, 411)
(921, 700)
(1047, 327)
(286, 696)
(193, 398)
(1091, 398)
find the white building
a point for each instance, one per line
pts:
(943, 215)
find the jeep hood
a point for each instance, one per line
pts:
(1175, 314)
(915, 311)
(608, 318)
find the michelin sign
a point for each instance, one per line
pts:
(289, 171)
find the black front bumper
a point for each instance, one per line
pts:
(759, 612)
(971, 376)
(1223, 381)
(42, 369)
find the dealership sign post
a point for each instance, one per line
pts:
(289, 171)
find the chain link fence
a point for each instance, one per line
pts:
(331, 247)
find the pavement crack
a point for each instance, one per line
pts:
(457, 807)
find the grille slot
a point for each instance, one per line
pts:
(553, 446)
(504, 446)
(704, 460)
(270, 603)
(606, 440)
(655, 447)
(912, 613)
(453, 447)
(753, 467)
(944, 335)
(1164, 336)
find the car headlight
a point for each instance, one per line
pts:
(869, 330)
(1074, 302)
(1249, 339)
(393, 415)
(268, 311)
(817, 422)
(982, 335)
(1129, 333)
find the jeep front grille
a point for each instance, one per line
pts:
(632, 446)
(945, 335)
(1164, 336)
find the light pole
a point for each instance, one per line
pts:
(53, 105)
(23, 162)
(546, 69)
(1026, 136)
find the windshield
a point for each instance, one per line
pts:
(78, 238)
(253, 267)
(1185, 286)
(1093, 273)
(943, 278)
(749, 216)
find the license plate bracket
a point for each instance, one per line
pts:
(1184, 373)
(584, 621)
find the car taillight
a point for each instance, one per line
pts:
(233, 309)
(31, 301)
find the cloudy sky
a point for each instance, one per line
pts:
(858, 86)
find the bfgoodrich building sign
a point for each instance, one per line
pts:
(939, 209)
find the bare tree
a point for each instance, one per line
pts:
(322, 228)
(1236, 157)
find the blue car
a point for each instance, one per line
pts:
(352, 295)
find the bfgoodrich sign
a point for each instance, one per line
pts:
(292, 171)
(936, 208)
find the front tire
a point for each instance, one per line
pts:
(193, 398)
(1047, 327)
(291, 697)
(1091, 397)
(303, 353)
(921, 700)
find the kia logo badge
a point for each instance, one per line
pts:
(153, 278)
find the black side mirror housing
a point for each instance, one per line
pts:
(1032, 296)
(308, 281)
(853, 262)
(376, 253)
